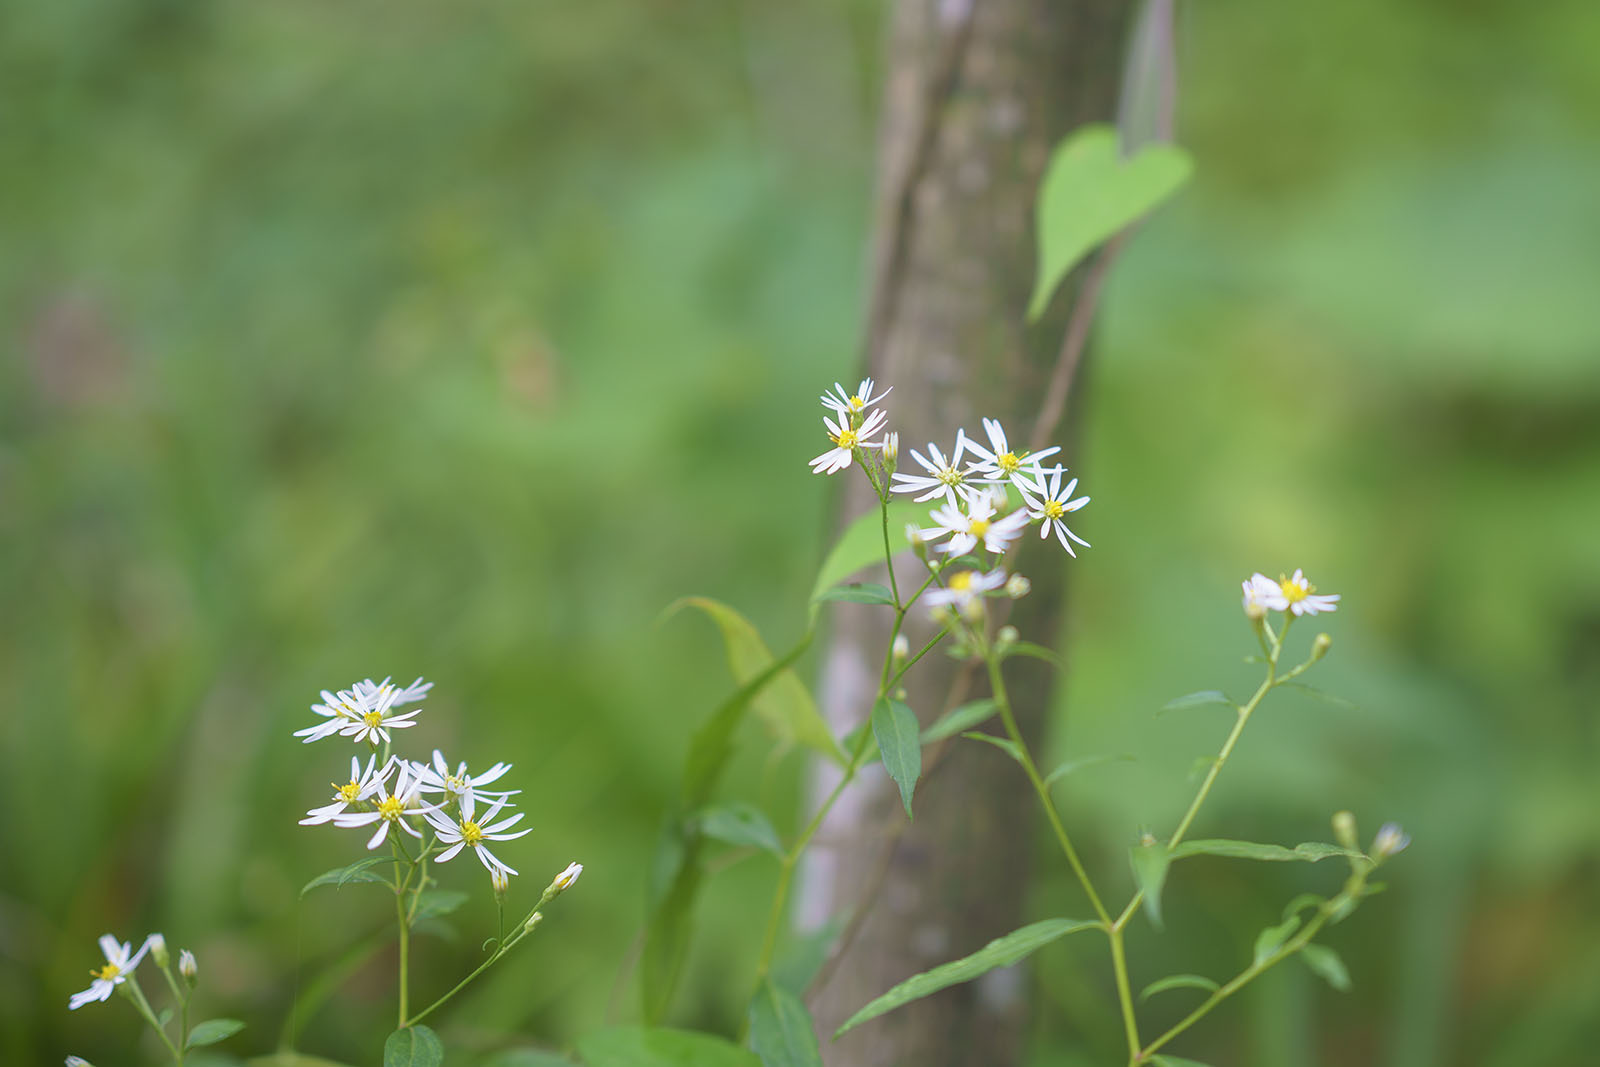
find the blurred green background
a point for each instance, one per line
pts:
(372, 338)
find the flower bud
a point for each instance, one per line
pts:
(564, 880)
(1018, 587)
(1320, 646)
(914, 538)
(901, 648)
(1390, 840)
(500, 881)
(78, 1061)
(1007, 637)
(1344, 830)
(158, 949)
(891, 451)
(533, 920)
(188, 967)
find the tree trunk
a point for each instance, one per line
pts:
(977, 95)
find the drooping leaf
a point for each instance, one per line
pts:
(415, 1046)
(1071, 765)
(780, 1029)
(963, 718)
(1179, 981)
(1150, 860)
(1089, 193)
(1305, 852)
(1326, 697)
(651, 1046)
(1272, 938)
(211, 1031)
(712, 744)
(1001, 952)
(437, 903)
(1326, 962)
(899, 738)
(859, 593)
(355, 872)
(739, 824)
(1196, 700)
(1004, 744)
(861, 545)
(784, 703)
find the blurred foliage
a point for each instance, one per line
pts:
(459, 340)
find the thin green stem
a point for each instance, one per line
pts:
(136, 995)
(888, 555)
(1119, 964)
(998, 685)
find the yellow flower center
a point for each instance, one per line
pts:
(347, 793)
(1009, 462)
(979, 527)
(391, 808)
(1294, 591)
(950, 476)
(471, 833)
(1054, 509)
(373, 718)
(961, 582)
(847, 439)
(454, 784)
(106, 973)
(857, 403)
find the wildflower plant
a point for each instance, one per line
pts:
(979, 503)
(118, 975)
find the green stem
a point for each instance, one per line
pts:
(1119, 964)
(501, 949)
(998, 685)
(888, 554)
(136, 995)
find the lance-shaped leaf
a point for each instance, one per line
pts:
(861, 545)
(1150, 860)
(963, 718)
(739, 824)
(1305, 852)
(1001, 952)
(858, 593)
(1089, 193)
(355, 872)
(1179, 981)
(211, 1031)
(1326, 962)
(1072, 765)
(712, 744)
(780, 1028)
(784, 703)
(1270, 940)
(1197, 700)
(1004, 744)
(899, 737)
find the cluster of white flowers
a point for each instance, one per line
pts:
(121, 960)
(428, 801)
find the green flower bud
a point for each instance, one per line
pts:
(1344, 831)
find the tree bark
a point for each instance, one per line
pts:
(978, 94)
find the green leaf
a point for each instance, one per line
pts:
(1004, 744)
(861, 545)
(355, 872)
(1028, 648)
(164, 1016)
(1179, 981)
(1071, 765)
(1305, 852)
(963, 718)
(415, 1046)
(527, 1057)
(1089, 193)
(211, 1031)
(647, 1046)
(1323, 696)
(899, 738)
(859, 593)
(781, 1030)
(1200, 699)
(801, 959)
(1301, 903)
(785, 704)
(739, 824)
(1150, 860)
(712, 744)
(1001, 952)
(1175, 1061)
(436, 903)
(1326, 962)
(675, 881)
(1272, 938)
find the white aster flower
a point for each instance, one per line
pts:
(565, 880)
(377, 715)
(389, 809)
(1295, 594)
(469, 832)
(339, 709)
(846, 405)
(943, 476)
(362, 784)
(999, 463)
(1256, 589)
(978, 523)
(1050, 502)
(120, 962)
(410, 694)
(460, 786)
(965, 589)
(346, 711)
(846, 440)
